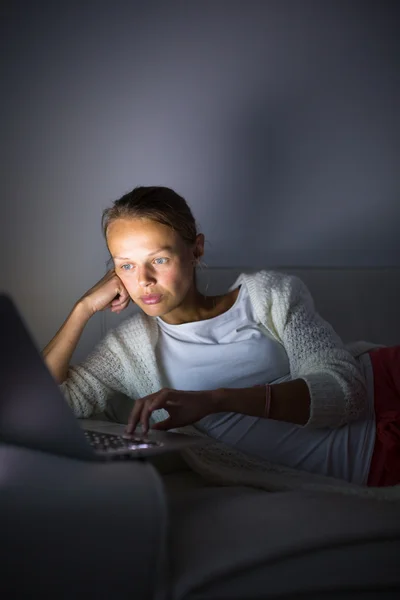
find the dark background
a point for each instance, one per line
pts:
(278, 120)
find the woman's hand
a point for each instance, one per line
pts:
(183, 407)
(109, 292)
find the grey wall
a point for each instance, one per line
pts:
(277, 120)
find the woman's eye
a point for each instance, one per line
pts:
(126, 267)
(161, 259)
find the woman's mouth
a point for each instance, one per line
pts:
(151, 298)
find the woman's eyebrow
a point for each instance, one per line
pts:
(163, 249)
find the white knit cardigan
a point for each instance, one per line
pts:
(125, 362)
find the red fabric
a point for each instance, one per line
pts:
(385, 463)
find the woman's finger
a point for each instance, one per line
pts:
(119, 306)
(118, 300)
(136, 412)
(120, 303)
(134, 416)
(153, 402)
(145, 416)
(125, 303)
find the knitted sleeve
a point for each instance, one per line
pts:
(89, 384)
(317, 355)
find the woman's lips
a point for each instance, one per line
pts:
(151, 299)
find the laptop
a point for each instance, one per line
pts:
(34, 413)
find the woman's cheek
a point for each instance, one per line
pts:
(128, 284)
(169, 279)
(173, 279)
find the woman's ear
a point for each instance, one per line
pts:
(198, 251)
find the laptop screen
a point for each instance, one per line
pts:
(33, 412)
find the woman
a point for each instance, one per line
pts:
(256, 368)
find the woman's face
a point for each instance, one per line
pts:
(155, 265)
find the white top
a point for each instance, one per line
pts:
(229, 350)
(232, 350)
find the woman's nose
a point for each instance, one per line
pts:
(145, 277)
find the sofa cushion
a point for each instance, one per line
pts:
(238, 543)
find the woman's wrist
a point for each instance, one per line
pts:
(82, 311)
(247, 401)
(288, 401)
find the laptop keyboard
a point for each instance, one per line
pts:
(108, 441)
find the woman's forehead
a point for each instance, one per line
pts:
(145, 228)
(140, 234)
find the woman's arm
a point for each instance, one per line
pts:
(57, 354)
(186, 407)
(290, 401)
(86, 387)
(109, 292)
(336, 390)
(318, 356)
(91, 383)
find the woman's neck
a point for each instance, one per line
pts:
(200, 308)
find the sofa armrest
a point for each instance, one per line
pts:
(73, 528)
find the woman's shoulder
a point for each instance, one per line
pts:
(133, 329)
(272, 283)
(273, 295)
